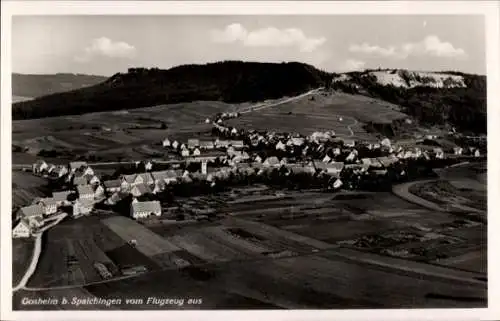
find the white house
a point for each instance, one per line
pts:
(175, 144)
(61, 170)
(280, 146)
(258, 159)
(272, 161)
(337, 183)
(457, 150)
(477, 153)
(236, 143)
(85, 192)
(326, 159)
(21, 230)
(351, 157)
(148, 165)
(196, 152)
(40, 166)
(49, 205)
(98, 192)
(166, 142)
(127, 180)
(438, 152)
(140, 210)
(185, 152)
(386, 142)
(349, 142)
(234, 131)
(207, 144)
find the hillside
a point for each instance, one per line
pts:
(31, 86)
(229, 81)
(431, 98)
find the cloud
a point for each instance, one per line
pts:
(429, 46)
(105, 47)
(267, 37)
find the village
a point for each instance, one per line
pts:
(234, 157)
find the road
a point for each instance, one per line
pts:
(263, 106)
(402, 190)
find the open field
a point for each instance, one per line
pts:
(322, 113)
(22, 251)
(26, 187)
(329, 279)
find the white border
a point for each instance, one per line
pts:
(490, 9)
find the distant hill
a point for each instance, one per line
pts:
(32, 86)
(229, 81)
(439, 98)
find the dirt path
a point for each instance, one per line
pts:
(37, 251)
(402, 190)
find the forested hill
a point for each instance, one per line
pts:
(229, 81)
(32, 86)
(438, 98)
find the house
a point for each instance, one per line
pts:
(349, 142)
(51, 168)
(61, 198)
(115, 198)
(140, 210)
(234, 131)
(49, 205)
(73, 166)
(143, 178)
(258, 159)
(385, 161)
(175, 144)
(458, 150)
(477, 153)
(127, 180)
(98, 192)
(84, 170)
(148, 165)
(33, 214)
(79, 180)
(196, 152)
(222, 143)
(193, 143)
(140, 189)
(166, 142)
(82, 207)
(295, 141)
(112, 186)
(337, 183)
(336, 151)
(22, 229)
(85, 192)
(327, 159)
(207, 121)
(333, 168)
(386, 142)
(272, 161)
(185, 152)
(438, 152)
(236, 143)
(166, 177)
(159, 186)
(60, 171)
(183, 146)
(92, 179)
(352, 156)
(39, 166)
(300, 168)
(280, 146)
(207, 144)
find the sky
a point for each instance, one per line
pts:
(105, 45)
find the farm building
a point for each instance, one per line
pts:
(49, 205)
(85, 192)
(61, 198)
(82, 207)
(40, 166)
(144, 209)
(196, 152)
(140, 189)
(185, 153)
(221, 143)
(112, 186)
(386, 142)
(21, 230)
(326, 159)
(98, 192)
(349, 142)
